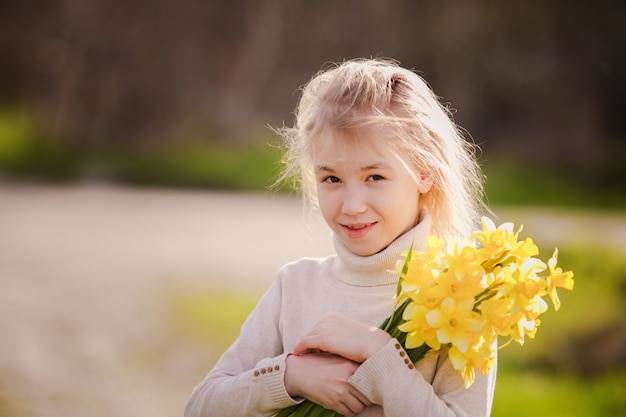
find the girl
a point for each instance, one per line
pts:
(374, 150)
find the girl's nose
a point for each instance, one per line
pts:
(353, 202)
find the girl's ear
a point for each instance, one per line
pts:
(425, 183)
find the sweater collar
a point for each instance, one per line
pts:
(374, 270)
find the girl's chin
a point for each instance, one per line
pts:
(364, 250)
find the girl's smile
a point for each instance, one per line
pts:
(366, 194)
(359, 230)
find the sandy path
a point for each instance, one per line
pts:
(83, 270)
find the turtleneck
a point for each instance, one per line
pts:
(374, 270)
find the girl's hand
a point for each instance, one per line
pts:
(323, 379)
(345, 337)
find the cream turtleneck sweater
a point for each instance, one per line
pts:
(248, 380)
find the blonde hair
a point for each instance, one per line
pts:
(361, 94)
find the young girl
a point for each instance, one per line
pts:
(379, 156)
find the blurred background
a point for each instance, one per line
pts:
(136, 152)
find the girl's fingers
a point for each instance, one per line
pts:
(362, 398)
(308, 344)
(355, 404)
(342, 336)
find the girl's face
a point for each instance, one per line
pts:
(366, 195)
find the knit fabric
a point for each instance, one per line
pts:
(248, 380)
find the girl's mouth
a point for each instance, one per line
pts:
(357, 230)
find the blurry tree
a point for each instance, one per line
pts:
(540, 80)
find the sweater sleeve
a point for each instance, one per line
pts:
(249, 377)
(431, 387)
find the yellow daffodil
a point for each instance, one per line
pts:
(422, 267)
(495, 240)
(497, 312)
(463, 259)
(525, 249)
(429, 296)
(454, 322)
(480, 357)
(524, 327)
(558, 279)
(451, 284)
(417, 329)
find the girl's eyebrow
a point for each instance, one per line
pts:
(374, 166)
(322, 168)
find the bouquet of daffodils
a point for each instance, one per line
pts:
(465, 297)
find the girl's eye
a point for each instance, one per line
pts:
(375, 177)
(331, 179)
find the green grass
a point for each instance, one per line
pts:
(522, 393)
(537, 379)
(518, 183)
(29, 151)
(199, 164)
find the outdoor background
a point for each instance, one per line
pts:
(136, 151)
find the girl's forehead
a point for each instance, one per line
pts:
(359, 152)
(349, 145)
